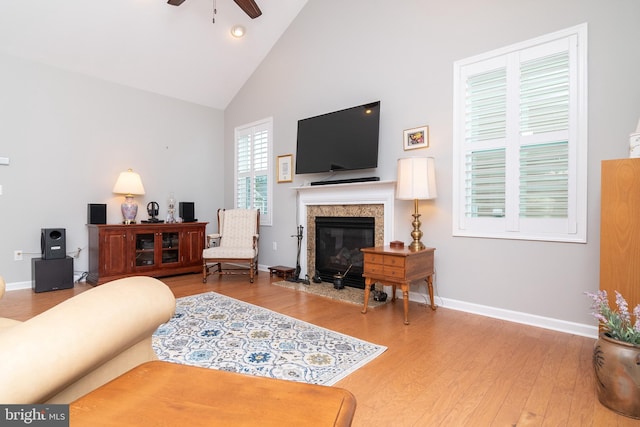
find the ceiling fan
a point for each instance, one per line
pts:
(248, 6)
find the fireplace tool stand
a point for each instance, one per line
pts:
(296, 275)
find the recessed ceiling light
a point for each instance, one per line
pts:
(237, 31)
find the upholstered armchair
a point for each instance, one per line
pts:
(235, 244)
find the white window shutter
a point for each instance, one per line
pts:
(520, 142)
(253, 185)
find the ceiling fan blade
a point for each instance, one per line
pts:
(175, 2)
(249, 6)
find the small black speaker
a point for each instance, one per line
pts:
(187, 211)
(51, 274)
(96, 213)
(53, 243)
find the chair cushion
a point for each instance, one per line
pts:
(229, 253)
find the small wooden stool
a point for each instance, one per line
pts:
(282, 271)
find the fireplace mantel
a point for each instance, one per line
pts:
(359, 193)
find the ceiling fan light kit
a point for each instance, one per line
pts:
(238, 31)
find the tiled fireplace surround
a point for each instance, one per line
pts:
(368, 199)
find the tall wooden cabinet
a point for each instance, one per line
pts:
(157, 250)
(620, 230)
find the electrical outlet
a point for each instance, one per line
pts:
(275, 246)
(17, 255)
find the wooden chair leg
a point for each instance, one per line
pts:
(205, 271)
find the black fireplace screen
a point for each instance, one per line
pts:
(338, 243)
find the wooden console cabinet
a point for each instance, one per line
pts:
(156, 250)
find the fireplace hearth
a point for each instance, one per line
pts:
(338, 244)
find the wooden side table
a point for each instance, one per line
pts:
(167, 394)
(392, 266)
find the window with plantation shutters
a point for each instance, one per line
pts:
(253, 168)
(520, 142)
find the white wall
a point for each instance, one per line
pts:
(338, 54)
(69, 136)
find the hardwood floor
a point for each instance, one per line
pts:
(447, 368)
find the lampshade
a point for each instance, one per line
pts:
(129, 182)
(416, 179)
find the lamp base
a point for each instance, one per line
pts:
(129, 209)
(416, 245)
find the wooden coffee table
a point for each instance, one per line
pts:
(167, 394)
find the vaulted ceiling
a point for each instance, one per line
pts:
(148, 44)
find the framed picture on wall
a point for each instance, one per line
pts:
(416, 138)
(284, 168)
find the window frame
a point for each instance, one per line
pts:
(266, 218)
(511, 225)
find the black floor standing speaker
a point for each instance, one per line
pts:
(51, 274)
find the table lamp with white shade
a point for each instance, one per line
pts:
(416, 181)
(129, 183)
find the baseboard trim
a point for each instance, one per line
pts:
(509, 315)
(18, 285)
(15, 286)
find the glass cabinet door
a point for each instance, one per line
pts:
(145, 254)
(170, 247)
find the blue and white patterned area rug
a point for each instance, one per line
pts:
(219, 332)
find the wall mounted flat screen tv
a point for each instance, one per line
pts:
(339, 141)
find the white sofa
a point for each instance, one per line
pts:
(83, 342)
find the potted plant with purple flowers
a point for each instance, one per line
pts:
(616, 354)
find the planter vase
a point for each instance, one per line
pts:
(617, 375)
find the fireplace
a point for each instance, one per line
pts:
(368, 199)
(338, 243)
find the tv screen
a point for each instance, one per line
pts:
(339, 141)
